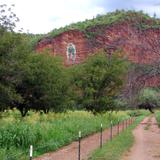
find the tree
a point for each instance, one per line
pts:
(44, 85)
(29, 80)
(13, 52)
(8, 18)
(120, 104)
(10, 44)
(99, 81)
(149, 95)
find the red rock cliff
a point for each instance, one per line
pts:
(140, 46)
(58, 45)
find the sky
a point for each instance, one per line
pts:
(42, 16)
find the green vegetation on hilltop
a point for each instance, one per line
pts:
(142, 21)
(33, 38)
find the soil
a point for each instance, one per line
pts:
(88, 145)
(147, 141)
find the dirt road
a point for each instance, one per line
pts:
(147, 141)
(88, 144)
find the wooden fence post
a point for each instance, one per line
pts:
(101, 136)
(79, 145)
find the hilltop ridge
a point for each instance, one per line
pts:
(136, 34)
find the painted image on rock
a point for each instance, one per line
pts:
(71, 53)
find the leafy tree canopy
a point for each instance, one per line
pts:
(99, 81)
(150, 95)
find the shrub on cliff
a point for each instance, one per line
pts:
(140, 19)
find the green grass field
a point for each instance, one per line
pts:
(48, 132)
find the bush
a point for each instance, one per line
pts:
(136, 113)
(150, 95)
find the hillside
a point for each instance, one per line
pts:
(134, 33)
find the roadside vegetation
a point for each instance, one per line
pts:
(47, 132)
(158, 117)
(113, 150)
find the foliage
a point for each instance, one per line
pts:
(48, 132)
(149, 95)
(13, 55)
(28, 80)
(120, 104)
(44, 85)
(136, 113)
(138, 75)
(40, 82)
(141, 21)
(13, 52)
(8, 18)
(33, 38)
(158, 118)
(113, 150)
(99, 80)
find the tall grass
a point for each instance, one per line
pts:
(47, 132)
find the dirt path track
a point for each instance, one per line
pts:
(88, 144)
(147, 141)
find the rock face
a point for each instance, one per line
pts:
(140, 46)
(58, 45)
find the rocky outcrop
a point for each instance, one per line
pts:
(140, 46)
(58, 45)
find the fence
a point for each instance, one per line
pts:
(124, 124)
(120, 126)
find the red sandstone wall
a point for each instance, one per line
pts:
(58, 45)
(140, 46)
